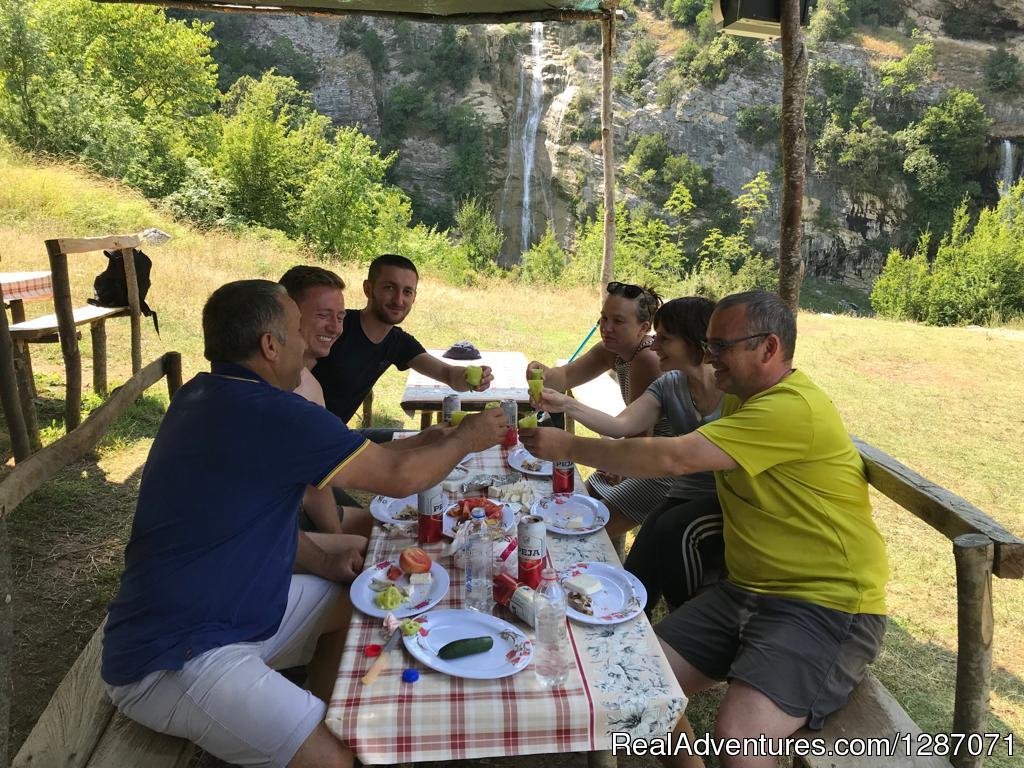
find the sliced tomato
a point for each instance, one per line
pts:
(394, 573)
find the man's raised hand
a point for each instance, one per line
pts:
(484, 429)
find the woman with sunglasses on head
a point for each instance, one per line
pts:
(679, 546)
(625, 348)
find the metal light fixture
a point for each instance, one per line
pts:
(753, 18)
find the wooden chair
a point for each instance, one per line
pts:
(62, 326)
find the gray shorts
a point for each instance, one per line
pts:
(229, 700)
(804, 657)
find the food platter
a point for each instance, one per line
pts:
(572, 514)
(511, 652)
(390, 510)
(622, 597)
(523, 461)
(421, 598)
(509, 518)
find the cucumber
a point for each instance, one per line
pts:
(467, 646)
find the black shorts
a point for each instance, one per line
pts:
(804, 657)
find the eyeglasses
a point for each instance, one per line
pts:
(628, 290)
(715, 348)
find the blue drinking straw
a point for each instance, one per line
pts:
(583, 344)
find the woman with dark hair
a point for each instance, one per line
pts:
(626, 348)
(679, 546)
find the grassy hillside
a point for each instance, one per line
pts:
(941, 400)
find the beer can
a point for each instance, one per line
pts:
(511, 409)
(522, 606)
(430, 504)
(563, 477)
(533, 547)
(449, 405)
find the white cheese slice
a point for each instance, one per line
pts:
(450, 486)
(583, 584)
(417, 579)
(574, 522)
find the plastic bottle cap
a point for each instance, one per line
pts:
(372, 650)
(410, 676)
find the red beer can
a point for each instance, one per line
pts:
(533, 547)
(563, 477)
(511, 409)
(431, 504)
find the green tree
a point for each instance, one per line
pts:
(477, 237)
(343, 203)
(901, 290)
(830, 21)
(268, 149)
(1003, 70)
(861, 156)
(545, 261)
(903, 77)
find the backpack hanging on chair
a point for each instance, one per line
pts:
(111, 287)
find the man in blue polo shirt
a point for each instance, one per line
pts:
(208, 605)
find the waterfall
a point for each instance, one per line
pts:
(1007, 175)
(513, 141)
(528, 139)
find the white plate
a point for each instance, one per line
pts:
(509, 518)
(621, 598)
(421, 598)
(518, 457)
(558, 510)
(511, 652)
(384, 508)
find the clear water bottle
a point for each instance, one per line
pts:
(551, 652)
(479, 564)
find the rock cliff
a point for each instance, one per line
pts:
(530, 80)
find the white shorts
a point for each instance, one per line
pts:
(230, 701)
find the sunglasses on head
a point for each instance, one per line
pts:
(627, 290)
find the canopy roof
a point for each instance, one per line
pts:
(461, 11)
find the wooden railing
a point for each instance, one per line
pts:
(981, 548)
(30, 475)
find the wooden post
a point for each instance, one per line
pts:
(128, 257)
(607, 147)
(23, 375)
(6, 639)
(172, 369)
(98, 331)
(65, 312)
(794, 153)
(973, 553)
(368, 410)
(9, 393)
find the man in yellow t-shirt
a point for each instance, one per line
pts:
(802, 612)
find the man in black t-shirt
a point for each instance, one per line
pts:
(372, 342)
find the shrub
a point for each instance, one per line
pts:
(545, 261)
(641, 54)
(202, 197)
(829, 21)
(760, 124)
(477, 237)
(1003, 70)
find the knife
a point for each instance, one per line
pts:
(378, 664)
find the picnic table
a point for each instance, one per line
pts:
(425, 394)
(19, 287)
(619, 680)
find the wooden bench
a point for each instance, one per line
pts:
(79, 727)
(62, 326)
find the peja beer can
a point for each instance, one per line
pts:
(533, 547)
(511, 409)
(449, 405)
(563, 477)
(431, 505)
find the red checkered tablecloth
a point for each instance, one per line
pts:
(620, 681)
(26, 285)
